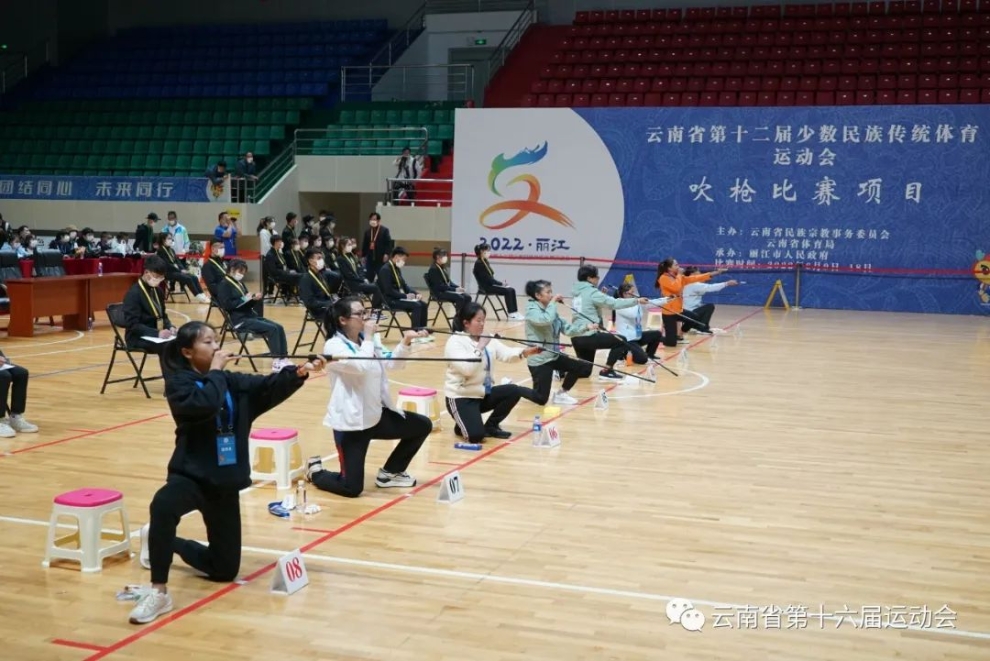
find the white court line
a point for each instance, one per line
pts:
(704, 383)
(79, 335)
(571, 587)
(52, 353)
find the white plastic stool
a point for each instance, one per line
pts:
(423, 401)
(286, 460)
(89, 507)
(655, 318)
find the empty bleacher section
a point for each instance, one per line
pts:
(385, 128)
(813, 54)
(174, 101)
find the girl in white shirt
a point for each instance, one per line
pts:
(361, 408)
(695, 309)
(470, 388)
(629, 324)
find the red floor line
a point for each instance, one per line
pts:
(83, 431)
(446, 463)
(319, 530)
(230, 587)
(77, 645)
(87, 434)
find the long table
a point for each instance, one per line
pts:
(73, 297)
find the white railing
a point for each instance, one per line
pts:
(423, 82)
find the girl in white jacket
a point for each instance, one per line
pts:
(470, 387)
(629, 324)
(361, 407)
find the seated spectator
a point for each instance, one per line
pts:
(215, 268)
(398, 293)
(316, 293)
(277, 268)
(441, 286)
(144, 310)
(178, 270)
(246, 312)
(353, 274)
(13, 382)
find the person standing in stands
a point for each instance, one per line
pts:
(377, 246)
(13, 382)
(440, 284)
(353, 273)
(695, 309)
(214, 268)
(247, 313)
(487, 284)
(398, 293)
(226, 231)
(213, 411)
(289, 233)
(144, 309)
(177, 269)
(144, 235)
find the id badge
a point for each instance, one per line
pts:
(226, 450)
(488, 385)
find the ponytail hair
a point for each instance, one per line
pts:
(185, 338)
(467, 312)
(339, 310)
(534, 287)
(664, 266)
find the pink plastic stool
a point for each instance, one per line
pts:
(655, 316)
(283, 456)
(421, 400)
(88, 507)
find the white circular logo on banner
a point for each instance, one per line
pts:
(538, 186)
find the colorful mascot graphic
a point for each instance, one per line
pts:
(981, 271)
(521, 207)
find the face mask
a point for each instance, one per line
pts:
(72, 235)
(317, 245)
(218, 252)
(348, 248)
(484, 255)
(33, 243)
(443, 260)
(250, 160)
(320, 264)
(168, 244)
(400, 263)
(89, 237)
(173, 222)
(303, 246)
(238, 276)
(154, 281)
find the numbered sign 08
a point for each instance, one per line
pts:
(291, 575)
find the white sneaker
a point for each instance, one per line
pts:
(385, 480)
(6, 431)
(145, 555)
(18, 423)
(152, 604)
(718, 331)
(515, 316)
(202, 298)
(279, 363)
(562, 398)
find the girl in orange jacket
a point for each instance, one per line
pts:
(670, 282)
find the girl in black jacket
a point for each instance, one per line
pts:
(213, 411)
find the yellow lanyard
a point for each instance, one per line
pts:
(281, 259)
(352, 262)
(320, 280)
(151, 301)
(446, 280)
(398, 283)
(490, 271)
(218, 265)
(171, 255)
(241, 288)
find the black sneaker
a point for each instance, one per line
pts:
(497, 432)
(458, 432)
(610, 375)
(313, 465)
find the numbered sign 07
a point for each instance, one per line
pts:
(451, 489)
(290, 576)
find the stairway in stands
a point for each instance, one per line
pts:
(430, 191)
(534, 51)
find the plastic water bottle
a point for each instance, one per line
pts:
(537, 428)
(301, 496)
(99, 268)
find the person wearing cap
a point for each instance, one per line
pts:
(144, 236)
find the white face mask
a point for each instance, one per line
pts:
(443, 260)
(168, 244)
(317, 245)
(154, 281)
(238, 276)
(320, 264)
(173, 222)
(348, 248)
(72, 235)
(400, 263)
(303, 246)
(250, 160)
(89, 237)
(218, 252)
(33, 243)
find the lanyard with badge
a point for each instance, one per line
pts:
(639, 321)
(226, 441)
(488, 372)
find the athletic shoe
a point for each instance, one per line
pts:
(18, 423)
(683, 340)
(6, 431)
(497, 432)
(313, 465)
(152, 604)
(718, 331)
(610, 375)
(202, 298)
(515, 316)
(556, 375)
(145, 554)
(563, 399)
(384, 480)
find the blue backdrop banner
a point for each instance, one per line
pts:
(858, 194)
(112, 189)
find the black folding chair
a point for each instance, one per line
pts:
(441, 310)
(497, 304)
(115, 313)
(240, 336)
(393, 321)
(310, 317)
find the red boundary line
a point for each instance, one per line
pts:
(31, 448)
(327, 536)
(73, 643)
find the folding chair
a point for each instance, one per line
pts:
(440, 308)
(393, 321)
(240, 336)
(310, 317)
(115, 313)
(497, 305)
(170, 291)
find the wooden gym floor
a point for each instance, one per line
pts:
(816, 461)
